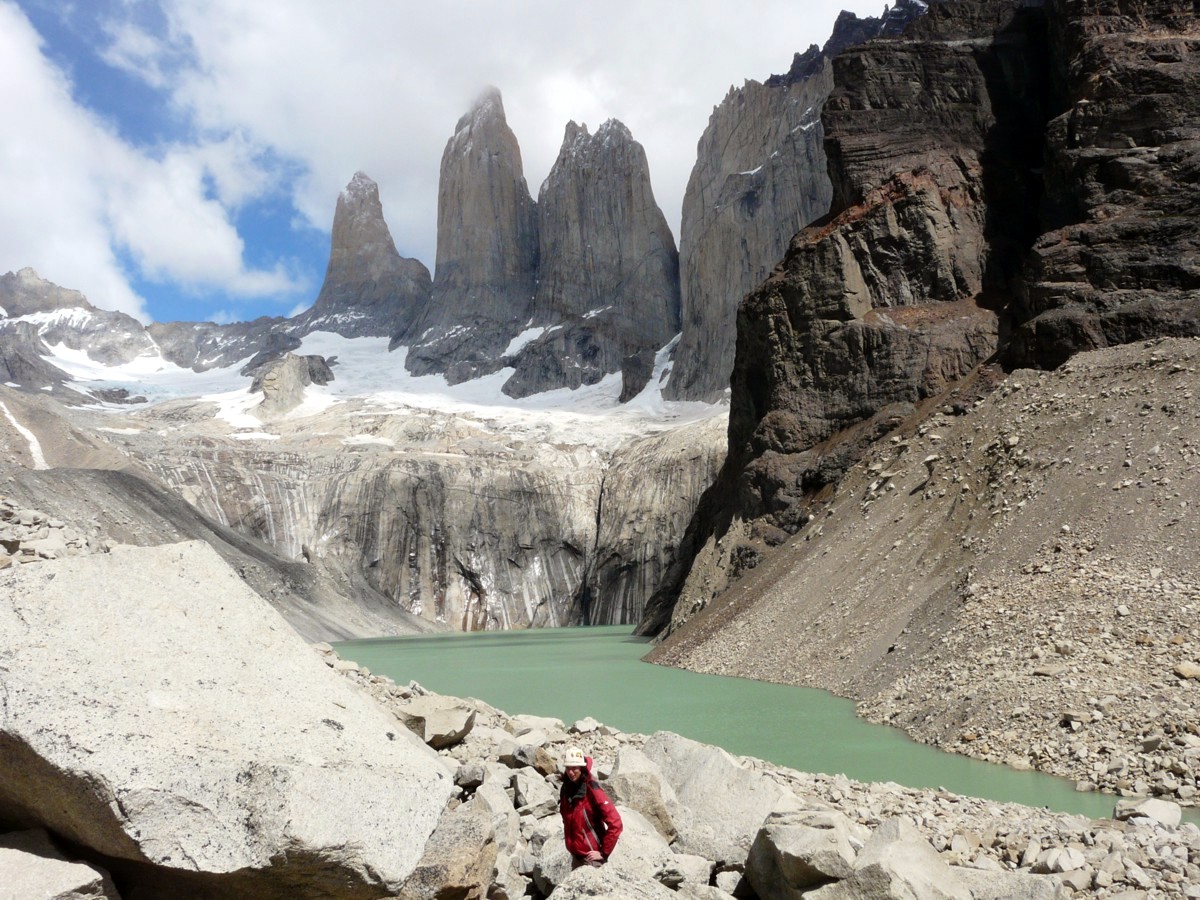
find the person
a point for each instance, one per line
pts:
(591, 823)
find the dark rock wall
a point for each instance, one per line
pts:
(932, 142)
(608, 276)
(1118, 261)
(760, 176)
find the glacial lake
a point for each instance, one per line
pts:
(570, 673)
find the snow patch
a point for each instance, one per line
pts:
(364, 440)
(254, 436)
(522, 340)
(35, 446)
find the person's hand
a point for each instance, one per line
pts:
(594, 858)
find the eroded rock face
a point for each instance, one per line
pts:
(458, 521)
(1120, 256)
(282, 382)
(487, 251)
(246, 770)
(370, 289)
(760, 176)
(889, 301)
(608, 276)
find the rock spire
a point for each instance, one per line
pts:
(487, 250)
(369, 289)
(608, 273)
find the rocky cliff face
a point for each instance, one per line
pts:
(457, 518)
(608, 276)
(487, 254)
(760, 176)
(1118, 260)
(370, 290)
(932, 142)
(971, 214)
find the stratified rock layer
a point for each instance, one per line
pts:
(487, 251)
(760, 176)
(1120, 257)
(887, 302)
(608, 277)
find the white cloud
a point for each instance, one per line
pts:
(74, 195)
(377, 85)
(291, 98)
(134, 50)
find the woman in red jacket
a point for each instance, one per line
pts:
(591, 823)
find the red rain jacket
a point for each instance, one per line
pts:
(590, 820)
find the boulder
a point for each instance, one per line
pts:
(723, 804)
(167, 717)
(532, 796)
(640, 852)
(440, 722)
(996, 885)
(1162, 811)
(459, 859)
(795, 852)
(519, 724)
(897, 862)
(32, 868)
(684, 868)
(689, 891)
(643, 791)
(609, 883)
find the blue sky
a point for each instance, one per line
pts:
(181, 159)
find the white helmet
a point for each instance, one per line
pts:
(573, 757)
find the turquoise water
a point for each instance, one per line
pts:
(570, 673)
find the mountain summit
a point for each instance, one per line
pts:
(487, 250)
(369, 289)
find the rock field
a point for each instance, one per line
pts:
(1013, 579)
(686, 806)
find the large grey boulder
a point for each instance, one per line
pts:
(1163, 812)
(32, 868)
(608, 883)
(159, 712)
(440, 722)
(282, 382)
(637, 782)
(459, 859)
(723, 803)
(993, 885)
(897, 862)
(796, 852)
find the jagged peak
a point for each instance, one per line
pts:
(487, 106)
(574, 132)
(361, 185)
(614, 129)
